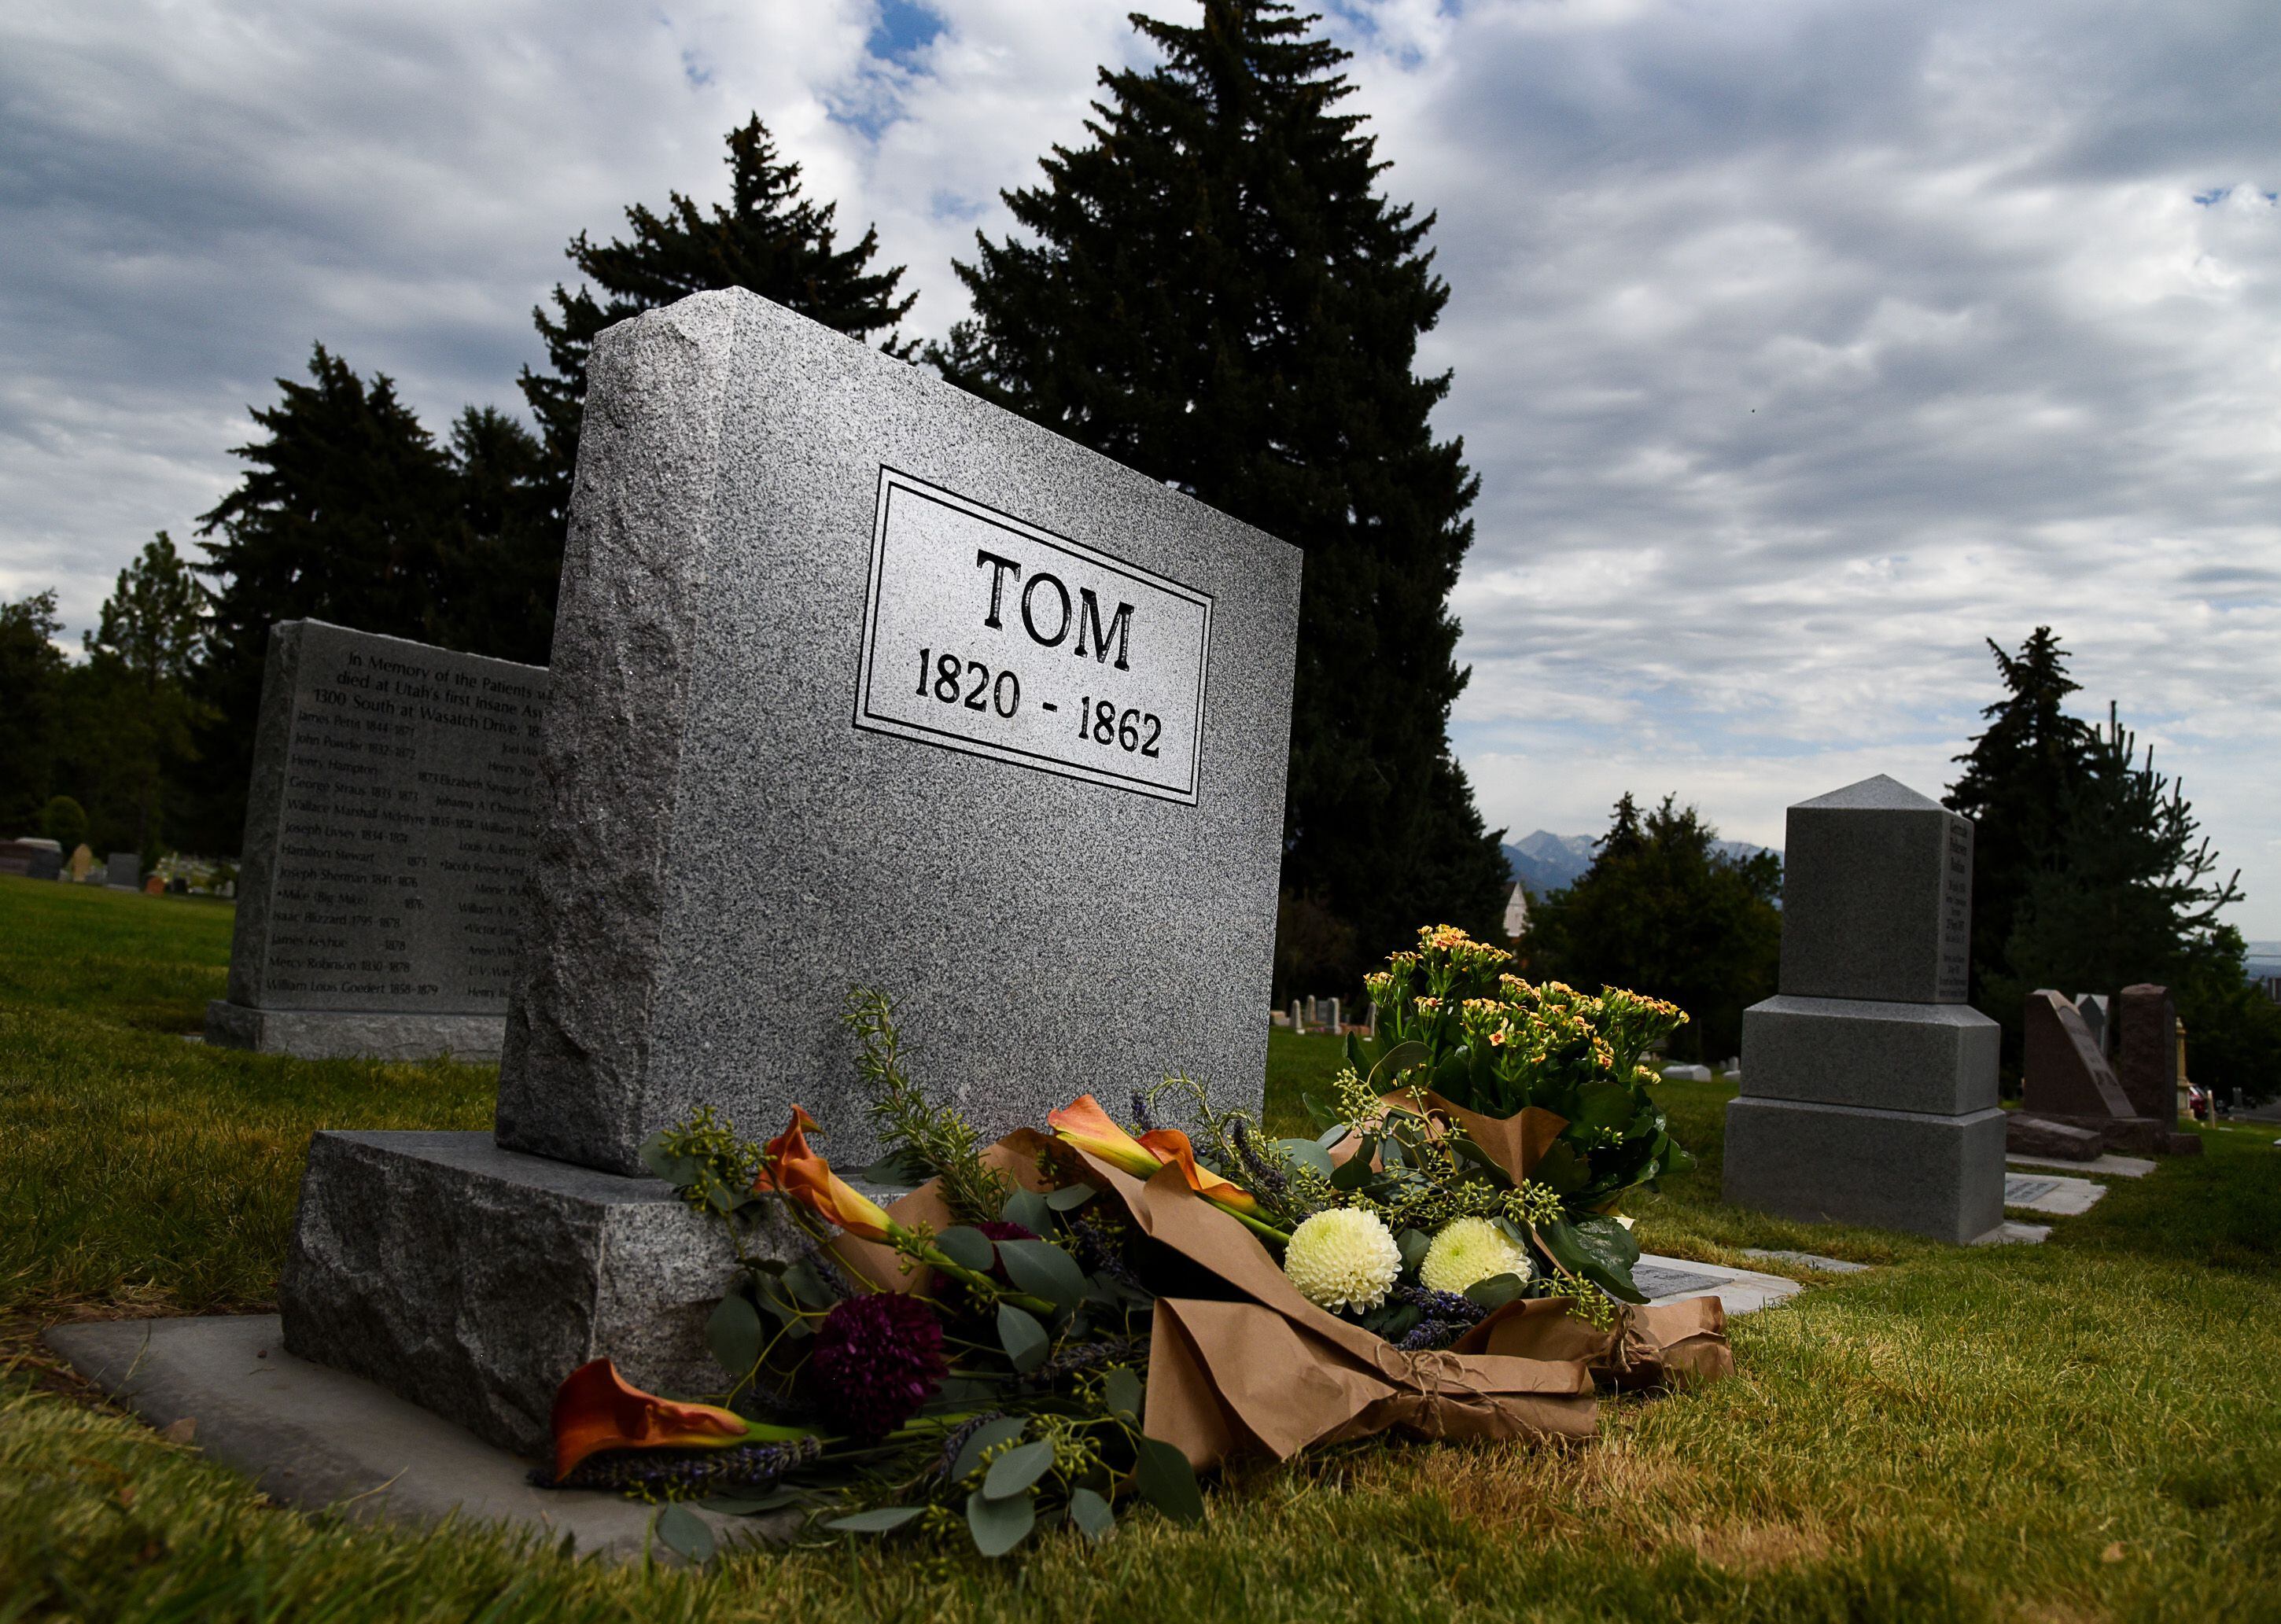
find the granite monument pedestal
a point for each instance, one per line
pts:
(1869, 1087)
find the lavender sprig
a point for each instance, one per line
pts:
(661, 1475)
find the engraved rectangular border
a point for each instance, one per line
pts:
(893, 480)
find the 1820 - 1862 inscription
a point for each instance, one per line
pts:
(988, 635)
(403, 829)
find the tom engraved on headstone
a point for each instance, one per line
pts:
(1868, 1085)
(388, 831)
(857, 681)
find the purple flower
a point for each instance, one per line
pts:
(878, 1359)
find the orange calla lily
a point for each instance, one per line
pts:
(596, 1409)
(806, 1177)
(1082, 1123)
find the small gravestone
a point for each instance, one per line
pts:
(81, 865)
(123, 871)
(857, 680)
(2148, 1065)
(388, 827)
(1869, 1087)
(33, 859)
(2092, 1007)
(2062, 1073)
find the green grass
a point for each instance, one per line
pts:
(2081, 1430)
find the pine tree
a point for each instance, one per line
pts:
(31, 707)
(2032, 758)
(345, 516)
(136, 685)
(770, 238)
(503, 548)
(1216, 293)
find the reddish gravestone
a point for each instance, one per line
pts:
(2148, 1065)
(2064, 1074)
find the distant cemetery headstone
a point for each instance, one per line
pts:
(388, 830)
(82, 863)
(33, 859)
(123, 871)
(857, 681)
(2067, 1084)
(1869, 1087)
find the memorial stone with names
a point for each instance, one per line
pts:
(387, 835)
(1869, 1086)
(857, 680)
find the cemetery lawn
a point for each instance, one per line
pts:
(2087, 1429)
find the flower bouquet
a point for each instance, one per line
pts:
(1057, 1323)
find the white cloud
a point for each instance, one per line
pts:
(1799, 345)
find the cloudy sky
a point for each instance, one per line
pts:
(1800, 346)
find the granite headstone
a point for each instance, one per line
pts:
(388, 830)
(33, 859)
(123, 871)
(2062, 1073)
(856, 680)
(1869, 1087)
(2148, 1053)
(2092, 1007)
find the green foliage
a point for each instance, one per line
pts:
(31, 705)
(925, 1140)
(64, 821)
(1664, 911)
(2101, 878)
(1213, 291)
(770, 238)
(2015, 777)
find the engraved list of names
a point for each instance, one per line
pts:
(393, 815)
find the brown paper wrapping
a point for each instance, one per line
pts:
(1272, 1373)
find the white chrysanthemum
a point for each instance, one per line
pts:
(1468, 1252)
(1343, 1259)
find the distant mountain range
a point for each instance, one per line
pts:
(1545, 862)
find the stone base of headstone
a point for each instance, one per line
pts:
(328, 1034)
(1939, 1059)
(471, 1279)
(2031, 1135)
(1935, 1175)
(2131, 1136)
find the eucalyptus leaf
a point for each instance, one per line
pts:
(1309, 1153)
(1003, 1430)
(745, 1505)
(969, 1248)
(680, 1171)
(1028, 1208)
(1415, 1243)
(998, 1526)
(1013, 1473)
(1494, 1292)
(1357, 1170)
(807, 1286)
(1121, 1386)
(1070, 1197)
(1330, 1138)
(1043, 1269)
(1165, 1477)
(901, 1167)
(882, 1520)
(1024, 1340)
(683, 1532)
(1090, 1513)
(733, 1332)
